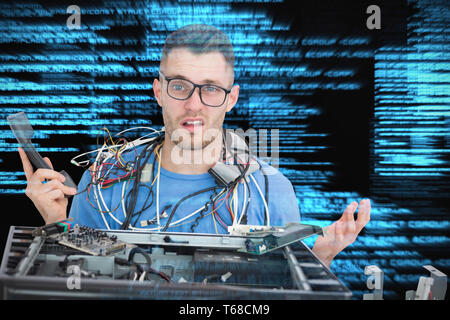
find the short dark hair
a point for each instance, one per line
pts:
(199, 38)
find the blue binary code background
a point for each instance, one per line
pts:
(361, 113)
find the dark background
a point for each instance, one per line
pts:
(333, 142)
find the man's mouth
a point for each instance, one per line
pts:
(192, 124)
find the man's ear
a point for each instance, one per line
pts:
(233, 97)
(157, 91)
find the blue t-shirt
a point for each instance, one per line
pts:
(173, 187)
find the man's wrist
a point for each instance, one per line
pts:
(326, 258)
(55, 219)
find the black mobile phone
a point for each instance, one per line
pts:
(23, 132)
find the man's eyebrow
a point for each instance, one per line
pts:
(206, 81)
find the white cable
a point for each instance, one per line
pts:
(123, 202)
(100, 208)
(107, 173)
(159, 227)
(235, 222)
(95, 192)
(99, 150)
(173, 224)
(236, 201)
(100, 195)
(263, 199)
(103, 200)
(104, 203)
(244, 204)
(142, 277)
(196, 211)
(125, 212)
(138, 142)
(129, 145)
(109, 212)
(134, 128)
(123, 199)
(157, 204)
(157, 189)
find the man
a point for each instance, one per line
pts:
(195, 90)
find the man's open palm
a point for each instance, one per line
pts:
(343, 232)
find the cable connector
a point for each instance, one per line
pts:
(145, 223)
(147, 173)
(225, 174)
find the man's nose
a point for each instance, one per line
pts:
(194, 102)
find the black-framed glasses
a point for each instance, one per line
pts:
(182, 89)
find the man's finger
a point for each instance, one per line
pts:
(56, 194)
(339, 232)
(329, 231)
(348, 215)
(48, 162)
(68, 190)
(363, 214)
(46, 174)
(56, 184)
(27, 167)
(350, 229)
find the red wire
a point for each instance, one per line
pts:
(214, 207)
(226, 203)
(98, 168)
(164, 276)
(220, 220)
(108, 181)
(118, 178)
(222, 199)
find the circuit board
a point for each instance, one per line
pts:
(91, 241)
(260, 241)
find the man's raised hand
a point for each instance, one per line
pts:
(343, 232)
(46, 189)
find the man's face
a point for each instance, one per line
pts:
(190, 124)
